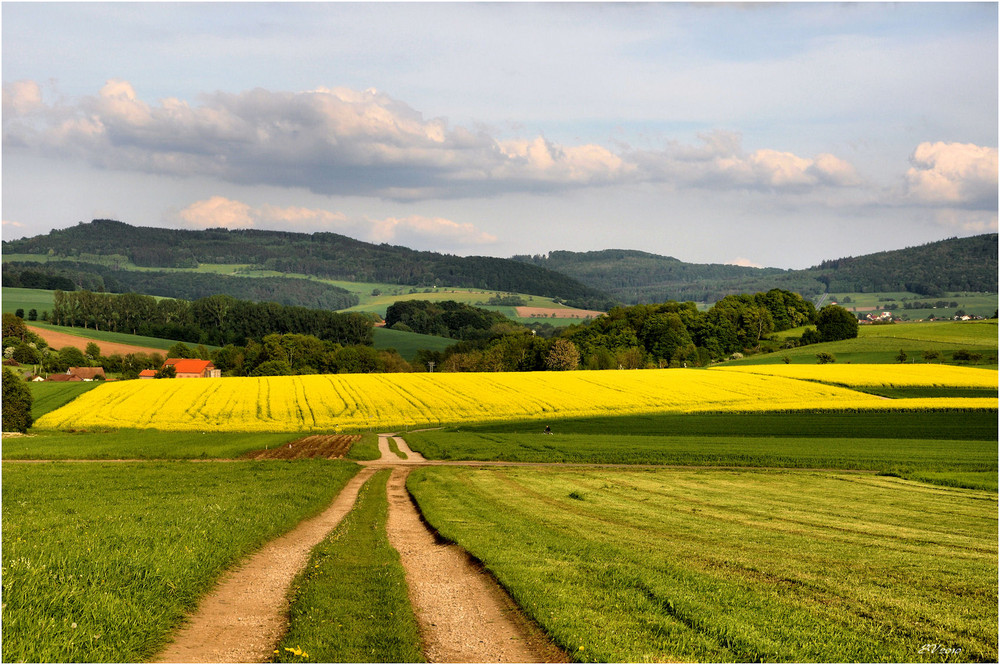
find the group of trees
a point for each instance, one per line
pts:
(669, 334)
(443, 319)
(216, 320)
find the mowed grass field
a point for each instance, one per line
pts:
(101, 561)
(731, 566)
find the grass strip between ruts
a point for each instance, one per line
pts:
(350, 604)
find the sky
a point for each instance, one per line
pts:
(760, 134)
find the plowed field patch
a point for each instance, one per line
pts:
(325, 446)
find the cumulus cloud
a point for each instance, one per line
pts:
(21, 98)
(746, 263)
(969, 221)
(219, 211)
(347, 142)
(953, 174)
(720, 162)
(393, 229)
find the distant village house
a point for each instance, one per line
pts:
(192, 368)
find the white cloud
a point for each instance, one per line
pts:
(347, 142)
(953, 174)
(407, 228)
(720, 162)
(746, 263)
(13, 224)
(968, 221)
(219, 211)
(21, 97)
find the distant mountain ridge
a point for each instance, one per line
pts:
(955, 264)
(326, 255)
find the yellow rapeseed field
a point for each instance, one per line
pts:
(394, 401)
(887, 376)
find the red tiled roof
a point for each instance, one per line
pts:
(86, 372)
(189, 365)
(148, 372)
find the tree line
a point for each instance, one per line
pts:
(214, 320)
(76, 275)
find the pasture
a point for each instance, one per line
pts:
(101, 561)
(50, 396)
(730, 566)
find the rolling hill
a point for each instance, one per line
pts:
(324, 255)
(956, 264)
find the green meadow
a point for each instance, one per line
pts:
(881, 344)
(731, 566)
(138, 445)
(102, 561)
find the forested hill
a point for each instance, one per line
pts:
(956, 264)
(326, 255)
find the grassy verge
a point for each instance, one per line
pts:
(366, 448)
(50, 396)
(138, 444)
(102, 561)
(637, 566)
(351, 604)
(967, 463)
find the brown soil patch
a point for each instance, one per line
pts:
(58, 340)
(464, 615)
(244, 617)
(556, 313)
(325, 446)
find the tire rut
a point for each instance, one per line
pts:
(464, 615)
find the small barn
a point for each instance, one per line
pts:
(192, 368)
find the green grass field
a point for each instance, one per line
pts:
(731, 566)
(408, 343)
(973, 303)
(50, 396)
(882, 343)
(138, 444)
(350, 605)
(101, 561)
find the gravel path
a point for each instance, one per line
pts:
(242, 620)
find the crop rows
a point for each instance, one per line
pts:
(382, 401)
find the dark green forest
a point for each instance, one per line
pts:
(956, 264)
(215, 320)
(326, 255)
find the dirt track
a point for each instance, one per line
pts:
(58, 340)
(463, 613)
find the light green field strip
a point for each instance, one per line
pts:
(726, 566)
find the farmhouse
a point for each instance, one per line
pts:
(192, 368)
(147, 374)
(87, 373)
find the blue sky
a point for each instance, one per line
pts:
(764, 134)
